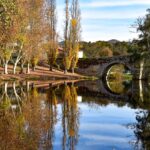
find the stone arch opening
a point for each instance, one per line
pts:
(108, 68)
(105, 75)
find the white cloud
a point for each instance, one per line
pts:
(112, 3)
(102, 32)
(93, 31)
(115, 14)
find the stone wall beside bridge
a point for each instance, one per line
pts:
(99, 67)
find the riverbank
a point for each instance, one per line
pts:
(41, 73)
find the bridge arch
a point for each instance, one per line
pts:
(105, 69)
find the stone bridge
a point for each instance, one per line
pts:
(100, 66)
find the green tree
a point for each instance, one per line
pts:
(143, 27)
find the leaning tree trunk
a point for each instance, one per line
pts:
(14, 68)
(15, 64)
(28, 68)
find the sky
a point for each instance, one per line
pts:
(106, 19)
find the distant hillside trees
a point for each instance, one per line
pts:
(106, 52)
(97, 49)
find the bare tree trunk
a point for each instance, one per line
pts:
(5, 87)
(28, 86)
(50, 67)
(33, 68)
(73, 70)
(141, 70)
(65, 71)
(6, 67)
(14, 68)
(22, 68)
(28, 68)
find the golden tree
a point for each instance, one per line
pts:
(51, 44)
(75, 31)
(67, 58)
(7, 30)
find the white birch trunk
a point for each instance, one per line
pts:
(28, 68)
(6, 67)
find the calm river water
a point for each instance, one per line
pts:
(86, 115)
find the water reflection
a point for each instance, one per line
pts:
(70, 117)
(47, 116)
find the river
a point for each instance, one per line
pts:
(84, 115)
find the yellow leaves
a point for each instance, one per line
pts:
(106, 52)
(74, 22)
(54, 98)
(7, 53)
(34, 60)
(71, 132)
(35, 93)
(67, 62)
(5, 104)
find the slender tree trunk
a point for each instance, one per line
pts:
(22, 67)
(65, 71)
(6, 67)
(141, 70)
(14, 68)
(33, 68)
(28, 68)
(50, 67)
(5, 87)
(73, 70)
(28, 86)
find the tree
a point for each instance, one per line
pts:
(143, 26)
(75, 31)
(66, 60)
(34, 31)
(7, 30)
(51, 45)
(21, 34)
(106, 52)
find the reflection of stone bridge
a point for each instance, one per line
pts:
(98, 88)
(100, 66)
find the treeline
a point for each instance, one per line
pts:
(114, 47)
(28, 33)
(109, 48)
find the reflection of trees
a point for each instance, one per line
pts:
(50, 118)
(142, 130)
(70, 121)
(26, 119)
(116, 87)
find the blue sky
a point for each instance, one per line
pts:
(106, 19)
